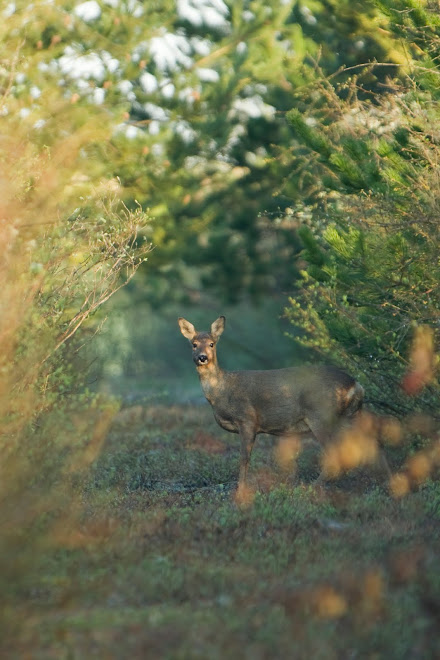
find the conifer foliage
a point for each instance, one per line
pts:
(369, 293)
(197, 93)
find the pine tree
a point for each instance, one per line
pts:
(372, 252)
(197, 93)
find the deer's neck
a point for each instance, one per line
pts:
(212, 380)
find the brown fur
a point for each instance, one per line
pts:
(282, 402)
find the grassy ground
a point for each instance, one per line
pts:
(158, 561)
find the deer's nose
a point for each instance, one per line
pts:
(202, 358)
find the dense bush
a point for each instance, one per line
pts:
(67, 245)
(368, 296)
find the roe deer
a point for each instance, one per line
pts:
(281, 402)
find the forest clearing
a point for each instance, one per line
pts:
(274, 163)
(158, 560)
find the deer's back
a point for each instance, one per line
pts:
(278, 401)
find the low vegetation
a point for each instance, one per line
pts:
(155, 558)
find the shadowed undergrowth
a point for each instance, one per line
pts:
(157, 560)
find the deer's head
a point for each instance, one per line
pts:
(203, 343)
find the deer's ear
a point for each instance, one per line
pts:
(186, 328)
(217, 327)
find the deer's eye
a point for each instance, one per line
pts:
(212, 345)
(194, 345)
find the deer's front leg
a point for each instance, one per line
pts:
(247, 438)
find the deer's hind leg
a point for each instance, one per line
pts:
(319, 432)
(322, 436)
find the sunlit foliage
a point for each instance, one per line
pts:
(67, 245)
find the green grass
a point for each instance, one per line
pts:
(160, 562)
